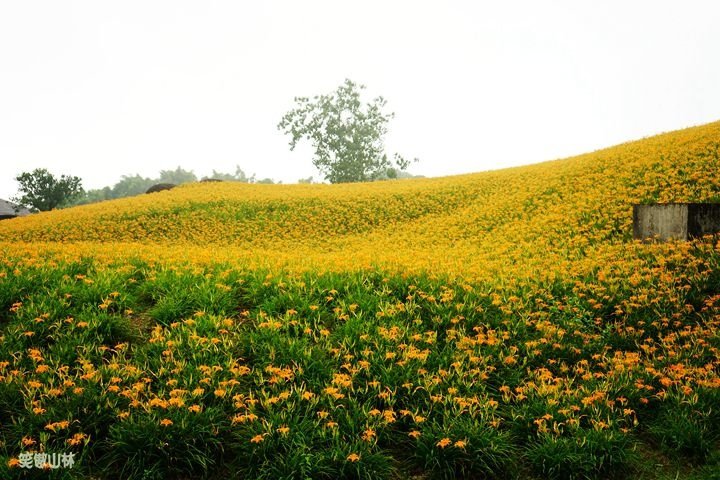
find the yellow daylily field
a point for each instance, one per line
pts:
(502, 324)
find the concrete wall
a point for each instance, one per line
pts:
(703, 219)
(675, 221)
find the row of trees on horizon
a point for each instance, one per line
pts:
(130, 185)
(40, 190)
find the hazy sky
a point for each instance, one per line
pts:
(100, 89)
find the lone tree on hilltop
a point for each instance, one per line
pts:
(346, 134)
(42, 191)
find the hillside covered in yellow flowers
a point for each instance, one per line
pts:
(538, 215)
(495, 325)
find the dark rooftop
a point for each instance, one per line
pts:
(10, 209)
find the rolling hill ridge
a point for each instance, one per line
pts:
(549, 212)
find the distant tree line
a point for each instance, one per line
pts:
(40, 190)
(130, 185)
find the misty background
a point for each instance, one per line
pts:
(105, 89)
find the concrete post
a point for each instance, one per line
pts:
(675, 221)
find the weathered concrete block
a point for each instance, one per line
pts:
(675, 221)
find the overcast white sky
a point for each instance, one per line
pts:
(100, 89)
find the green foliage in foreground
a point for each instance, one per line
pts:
(182, 371)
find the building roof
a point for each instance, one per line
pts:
(9, 208)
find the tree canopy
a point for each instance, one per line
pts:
(177, 176)
(346, 134)
(41, 190)
(238, 176)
